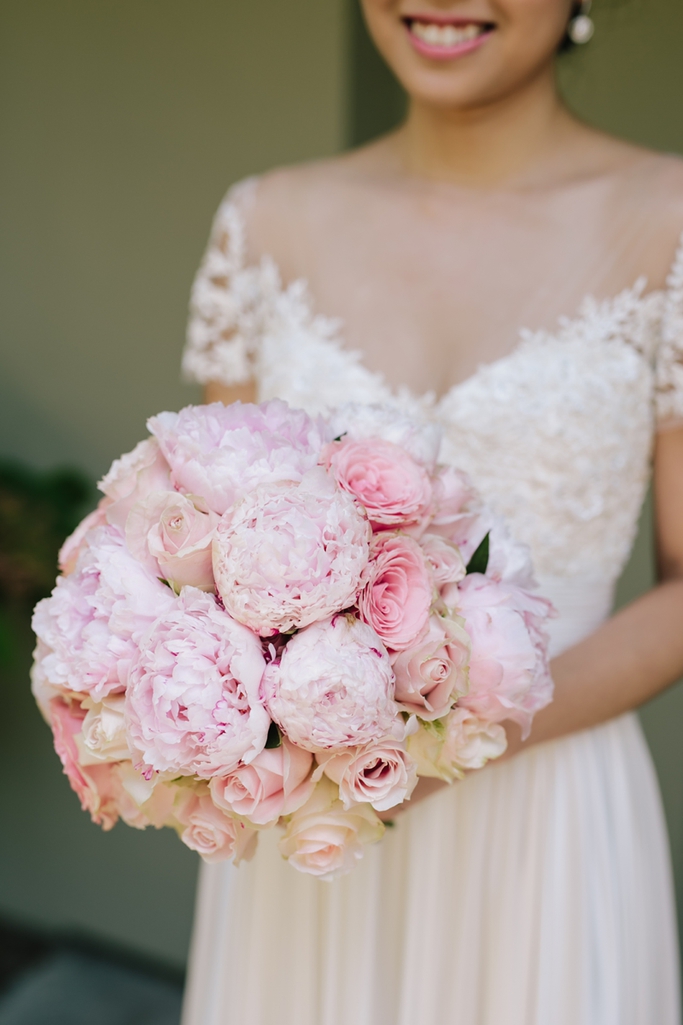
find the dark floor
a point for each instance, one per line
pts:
(67, 980)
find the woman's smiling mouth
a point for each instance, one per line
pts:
(443, 38)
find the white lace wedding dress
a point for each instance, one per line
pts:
(538, 891)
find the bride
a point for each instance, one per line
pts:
(500, 267)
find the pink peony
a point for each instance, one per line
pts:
(276, 783)
(290, 554)
(356, 421)
(381, 774)
(92, 622)
(214, 834)
(509, 671)
(132, 477)
(172, 534)
(444, 559)
(223, 452)
(432, 674)
(397, 592)
(394, 489)
(70, 551)
(192, 704)
(508, 560)
(325, 840)
(333, 686)
(456, 745)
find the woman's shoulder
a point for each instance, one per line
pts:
(281, 205)
(642, 200)
(651, 179)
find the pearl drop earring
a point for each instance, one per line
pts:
(581, 28)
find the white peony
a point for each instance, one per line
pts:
(333, 687)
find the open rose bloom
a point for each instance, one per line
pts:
(279, 621)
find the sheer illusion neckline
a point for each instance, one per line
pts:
(616, 316)
(612, 317)
(243, 312)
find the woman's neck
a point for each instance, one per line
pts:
(511, 141)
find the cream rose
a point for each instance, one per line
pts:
(325, 840)
(455, 745)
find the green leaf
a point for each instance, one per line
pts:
(480, 559)
(437, 727)
(274, 737)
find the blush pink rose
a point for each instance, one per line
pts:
(397, 591)
(509, 669)
(214, 834)
(192, 703)
(381, 774)
(70, 551)
(132, 477)
(326, 840)
(91, 624)
(333, 686)
(276, 783)
(444, 559)
(394, 489)
(432, 674)
(290, 554)
(223, 452)
(172, 534)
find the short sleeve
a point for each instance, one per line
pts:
(228, 302)
(669, 361)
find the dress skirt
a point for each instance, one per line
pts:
(537, 891)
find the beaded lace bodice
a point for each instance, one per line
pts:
(557, 434)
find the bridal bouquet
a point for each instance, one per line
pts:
(272, 619)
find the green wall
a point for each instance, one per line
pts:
(122, 123)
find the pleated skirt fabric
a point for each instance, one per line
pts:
(535, 892)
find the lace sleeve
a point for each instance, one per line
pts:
(669, 365)
(228, 299)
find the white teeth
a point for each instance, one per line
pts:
(445, 35)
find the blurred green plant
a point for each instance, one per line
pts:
(37, 511)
